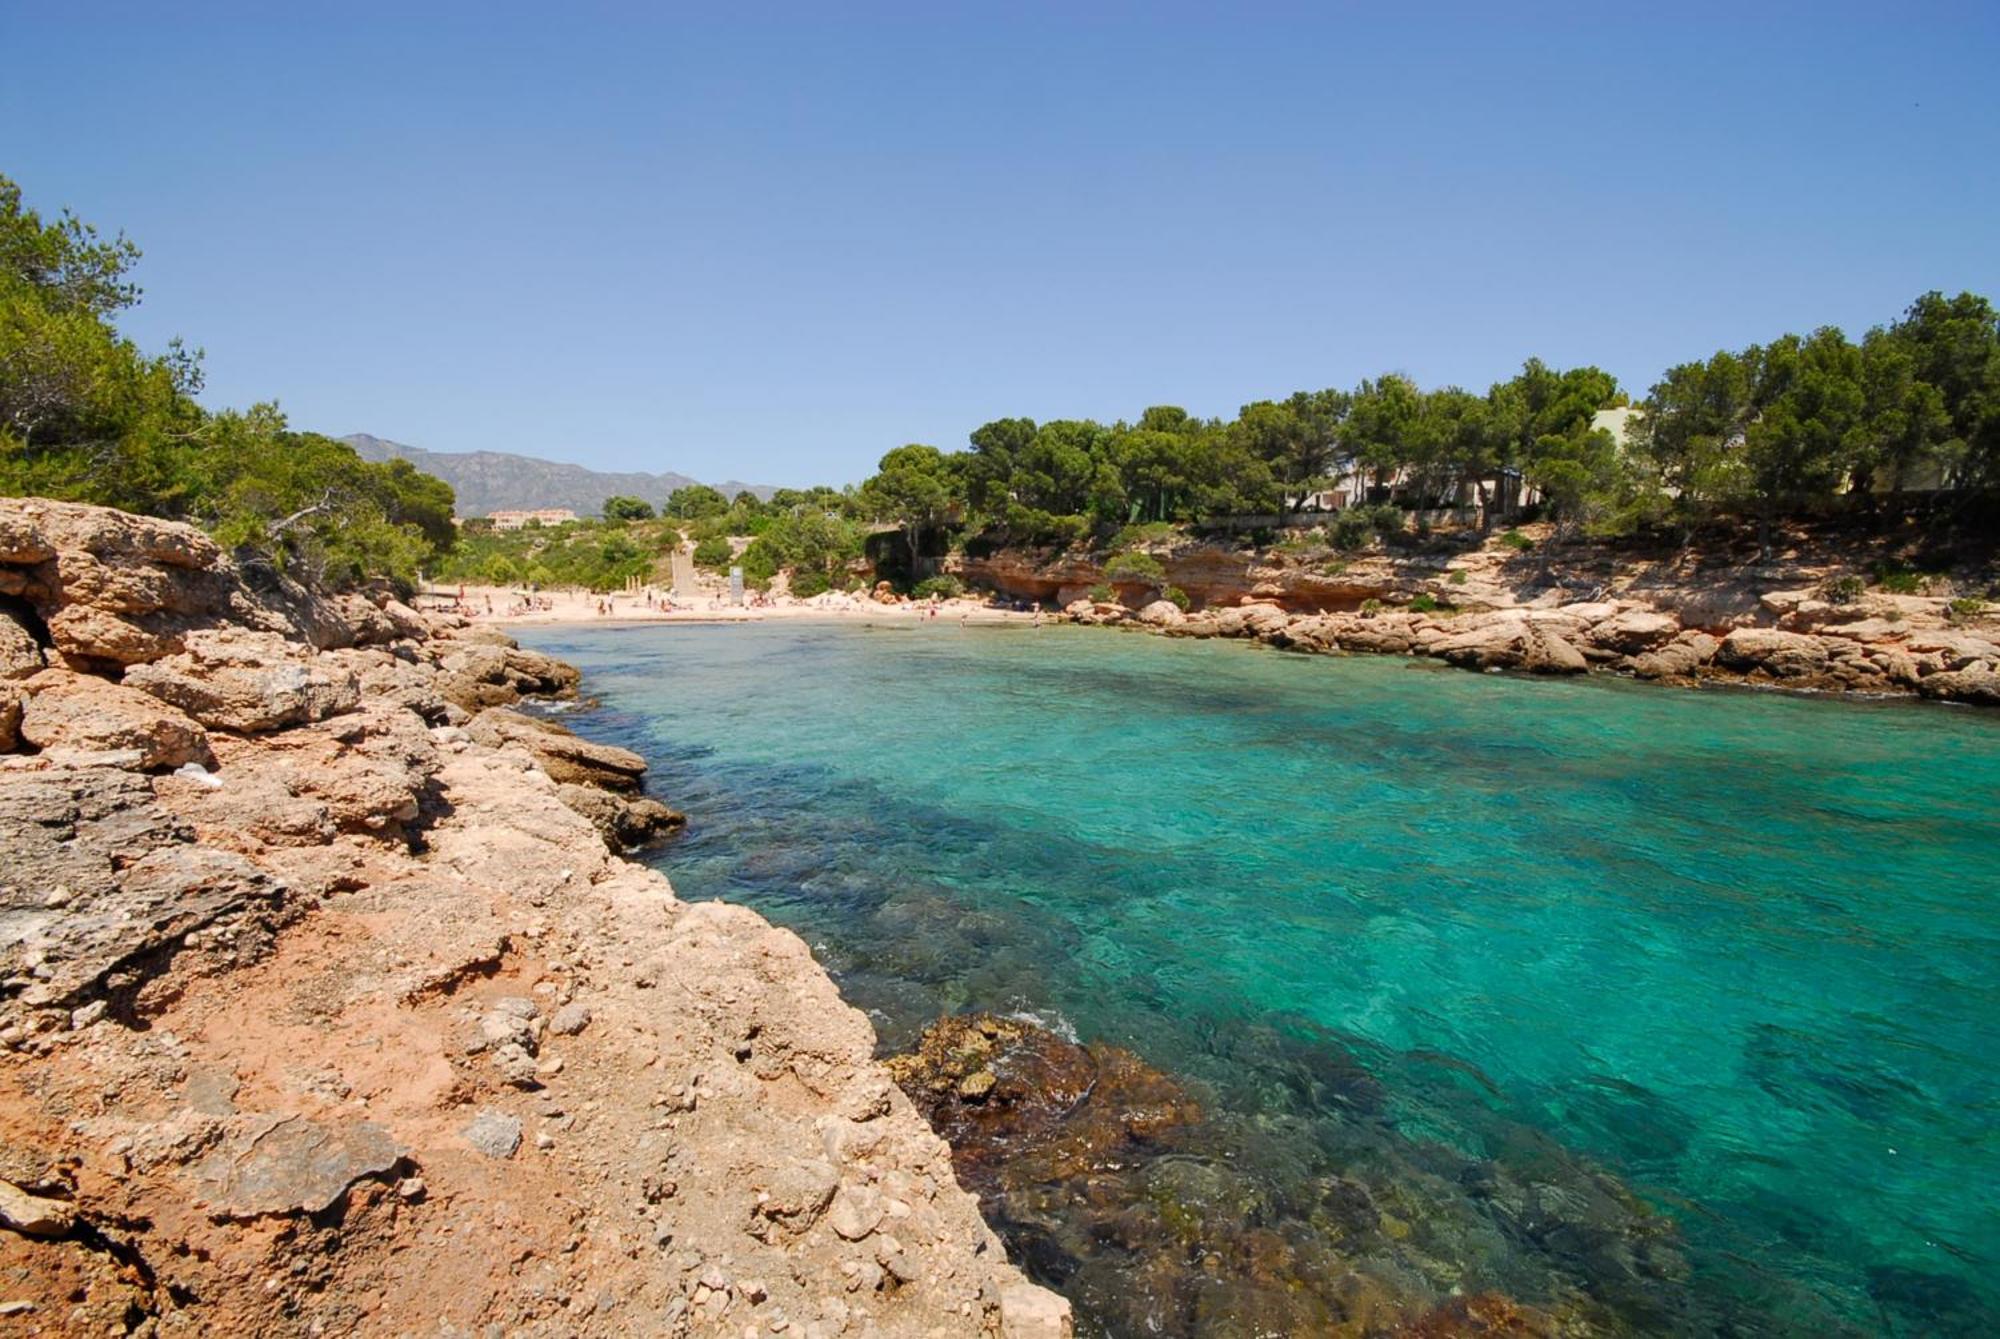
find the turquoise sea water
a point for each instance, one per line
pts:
(1740, 950)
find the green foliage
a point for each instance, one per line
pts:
(1358, 527)
(1842, 589)
(813, 545)
(694, 502)
(946, 587)
(599, 556)
(85, 415)
(913, 487)
(1143, 533)
(1135, 566)
(1898, 579)
(1370, 608)
(1517, 541)
(622, 508)
(1102, 593)
(1965, 607)
(1177, 597)
(805, 585)
(1424, 603)
(714, 553)
(1456, 578)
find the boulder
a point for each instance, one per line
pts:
(102, 878)
(1488, 643)
(1980, 685)
(480, 676)
(1546, 653)
(1678, 659)
(84, 714)
(1634, 631)
(11, 698)
(293, 1165)
(248, 681)
(115, 589)
(564, 756)
(1782, 655)
(1161, 614)
(20, 654)
(625, 821)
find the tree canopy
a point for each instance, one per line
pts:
(1797, 425)
(86, 415)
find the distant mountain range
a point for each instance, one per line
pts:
(490, 481)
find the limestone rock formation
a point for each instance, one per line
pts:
(326, 1007)
(1492, 609)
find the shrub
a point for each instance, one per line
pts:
(1151, 532)
(1102, 594)
(1457, 578)
(1135, 566)
(713, 552)
(1964, 607)
(1897, 579)
(1357, 526)
(1843, 590)
(1517, 541)
(1333, 567)
(943, 587)
(1426, 603)
(1177, 597)
(1370, 608)
(808, 583)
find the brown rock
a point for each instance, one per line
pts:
(20, 654)
(1635, 631)
(34, 1215)
(292, 1165)
(1782, 655)
(1980, 685)
(564, 756)
(1678, 659)
(626, 821)
(248, 681)
(85, 714)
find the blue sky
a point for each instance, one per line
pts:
(772, 242)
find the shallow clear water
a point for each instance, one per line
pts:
(1741, 950)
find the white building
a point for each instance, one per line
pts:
(514, 520)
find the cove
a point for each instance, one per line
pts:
(1670, 1012)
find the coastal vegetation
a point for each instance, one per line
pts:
(814, 535)
(86, 415)
(1804, 426)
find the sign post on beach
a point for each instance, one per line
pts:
(736, 585)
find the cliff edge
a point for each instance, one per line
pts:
(327, 1008)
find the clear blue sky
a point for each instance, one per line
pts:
(775, 244)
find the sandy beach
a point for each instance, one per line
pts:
(503, 607)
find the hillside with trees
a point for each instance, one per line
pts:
(86, 415)
(1904, 422)
(815, 535)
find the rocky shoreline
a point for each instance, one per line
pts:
(326, 1006)
(1791, 625)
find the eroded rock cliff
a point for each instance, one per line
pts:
(326, 1009)
(1492, 607)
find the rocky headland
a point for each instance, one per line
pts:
(1801, 622)
(327, 1006)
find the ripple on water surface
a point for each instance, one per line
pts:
(1665, 1011)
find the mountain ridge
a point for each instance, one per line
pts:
(489, 481)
